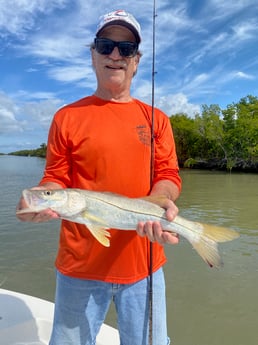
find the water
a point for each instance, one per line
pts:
(216, 307)
(205, 306)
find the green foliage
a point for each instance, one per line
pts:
(39, 152)
(229, 136)
(189, 163)
(185, 136)
(241, 129)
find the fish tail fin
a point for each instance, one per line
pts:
(206, 246)
(219, 233)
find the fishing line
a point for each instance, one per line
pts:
(152, 171)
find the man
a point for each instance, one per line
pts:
(102, 143)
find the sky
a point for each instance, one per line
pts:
(206, 52)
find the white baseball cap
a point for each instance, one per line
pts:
(120, 17)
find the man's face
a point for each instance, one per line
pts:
(114, 70)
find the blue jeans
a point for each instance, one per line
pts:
(81, 307)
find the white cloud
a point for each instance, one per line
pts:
(230, 76)
(242, 75)
(169, 103)
(23, 96)
(40, 114)
(17, 16)
(8, 111)
(72, 73)
(244, 31)
(219, 9)
(16, 116)
(197, 84)
(60, 46)
(177, 103)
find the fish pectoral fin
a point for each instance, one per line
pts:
(93, 219)
(100, 233)
(97, 227)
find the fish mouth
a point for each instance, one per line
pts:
(31, 199)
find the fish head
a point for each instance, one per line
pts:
(41, 199)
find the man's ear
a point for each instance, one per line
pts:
(92, 50)
(136, 63)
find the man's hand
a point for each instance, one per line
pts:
(153, 230)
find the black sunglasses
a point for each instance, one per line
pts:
(105, 46)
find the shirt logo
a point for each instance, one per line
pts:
(144, 134)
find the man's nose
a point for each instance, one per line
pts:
(115, 54)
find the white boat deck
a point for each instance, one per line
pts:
(27, 320)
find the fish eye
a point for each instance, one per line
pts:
(48, 192)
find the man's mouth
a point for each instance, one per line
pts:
(114, 67)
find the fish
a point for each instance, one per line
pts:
(101, 211)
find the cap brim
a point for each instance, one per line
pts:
(121, 23)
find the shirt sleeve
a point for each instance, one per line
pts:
(165, 157)
(58, 156)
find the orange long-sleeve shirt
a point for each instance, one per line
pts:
(105, 146)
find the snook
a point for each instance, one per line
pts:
(102, 211)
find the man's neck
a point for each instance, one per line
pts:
(114, 96)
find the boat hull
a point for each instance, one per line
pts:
(28, 320)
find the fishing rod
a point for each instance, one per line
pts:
(152, 168)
